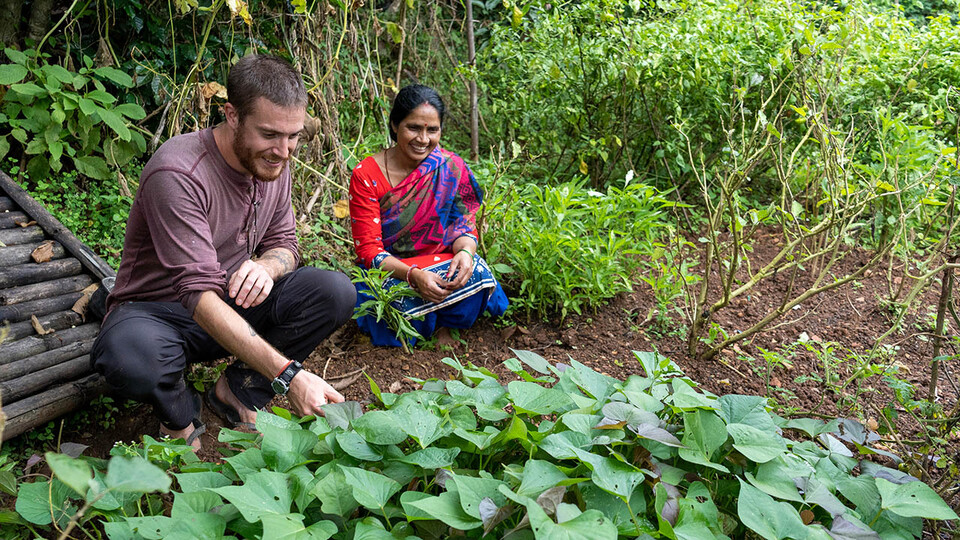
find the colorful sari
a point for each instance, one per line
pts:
(418, 221)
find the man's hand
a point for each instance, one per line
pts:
(250, 285)
(308, 393)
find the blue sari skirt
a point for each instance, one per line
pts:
(460, 309)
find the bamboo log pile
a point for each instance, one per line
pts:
(45, 369)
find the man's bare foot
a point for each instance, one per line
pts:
(227, 396)
(184, 434)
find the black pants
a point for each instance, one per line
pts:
(144, 347)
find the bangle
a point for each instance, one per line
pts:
(410, 271)
(467, 251)
(284, 369)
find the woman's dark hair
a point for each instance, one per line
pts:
(409, 98)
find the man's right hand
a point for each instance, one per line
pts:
(308, 393)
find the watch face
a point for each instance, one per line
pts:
(279, 387)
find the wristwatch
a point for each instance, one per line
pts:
(281, 383)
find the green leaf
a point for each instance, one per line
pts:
(246, 463)
(196, 502)
(334, 494)
(531, 398)
(703, 433)
(28, 89)
(285, 448)
(88, 107)
(37, 502)
(93, 167)
(756, 444)
(611, 475)
(590, 525)
(75, 473)
(290, 527)
(487, 392)
(749, 410)
(370, 528)
(15, 56)
(59, 73)
(4, 147)
(563, 445)
(380, 427)
(115, 122)
(353, 444)
(113, 74)
(265, 492)
(913, 499)
(446, 507)
(472, 490)
(136, 475)
(480, 439)
(11, 74)
(339, 415)
(654, 433)
(539, 476)
(685, 397)
(431, 458)
(535, 362)
(101, 97)
(421, 424)
(770, 519)
(370, 489)
(8, 483)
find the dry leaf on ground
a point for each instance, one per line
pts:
(341, 209)
(39, 327)
(43, 253)
(80, 306)
(25, 223)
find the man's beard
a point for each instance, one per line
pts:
(250, 161)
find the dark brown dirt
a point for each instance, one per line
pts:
(852, 317)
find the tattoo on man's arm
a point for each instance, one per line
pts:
(253, 332)
(283, 258)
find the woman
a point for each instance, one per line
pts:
(413, 212)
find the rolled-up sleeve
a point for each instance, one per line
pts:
(175, 216)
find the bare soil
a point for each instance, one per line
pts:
(852, 317)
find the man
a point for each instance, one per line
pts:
(209, 267)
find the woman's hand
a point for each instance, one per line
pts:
(430, 286)
(461, 268)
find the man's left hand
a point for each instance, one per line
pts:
(250, 285)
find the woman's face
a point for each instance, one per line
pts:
(419, 133)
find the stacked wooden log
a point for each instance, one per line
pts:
(45, 270)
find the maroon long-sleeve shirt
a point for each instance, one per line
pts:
(192, 224)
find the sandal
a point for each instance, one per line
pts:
(199, 428)
(228, 414)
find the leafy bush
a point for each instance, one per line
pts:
(590, 457)
(570, 248)
(56, 115)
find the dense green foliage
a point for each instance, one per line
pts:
(589, 457)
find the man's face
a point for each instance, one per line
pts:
(266, 138)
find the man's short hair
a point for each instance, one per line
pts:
(271, 77)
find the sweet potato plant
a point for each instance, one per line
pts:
(563, 452)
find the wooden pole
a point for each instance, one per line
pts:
(25, 274)
(44, 306)
(55, 229)
(45, 378)
(25, 235)
(46, 289)
(12, 255)
(44, 360)
(9, 220)
(60, 320)
(37, 409)
(474, 111)
(17, 350)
